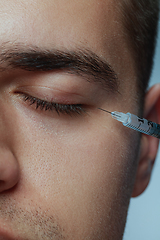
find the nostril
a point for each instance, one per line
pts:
(2, 182)
(2, 185)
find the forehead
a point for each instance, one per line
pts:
(61, 22)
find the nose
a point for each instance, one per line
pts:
(9, 170)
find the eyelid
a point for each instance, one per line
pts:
(68, 109)
(52, 95)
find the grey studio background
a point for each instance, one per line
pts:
(143, 221)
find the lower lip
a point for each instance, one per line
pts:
(6, 232)
(4, 235)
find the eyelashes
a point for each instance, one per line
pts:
(67, 109)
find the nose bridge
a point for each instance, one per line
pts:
(3, 126)
(6, 123)
(5, 133)
(9, 168)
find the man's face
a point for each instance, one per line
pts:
(66, 175)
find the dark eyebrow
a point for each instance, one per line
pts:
(81, 62)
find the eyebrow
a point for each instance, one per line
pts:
(81, 62)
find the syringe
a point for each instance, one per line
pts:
(139, 124)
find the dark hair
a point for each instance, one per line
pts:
(140, 19)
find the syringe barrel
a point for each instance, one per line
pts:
(143, 125)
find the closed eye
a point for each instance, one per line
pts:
(70, 109)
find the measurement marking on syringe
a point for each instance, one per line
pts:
(139, 124)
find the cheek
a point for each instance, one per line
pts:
(79, 164)
(91, 152)
(79, 173)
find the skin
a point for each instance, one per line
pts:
(67, 177)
